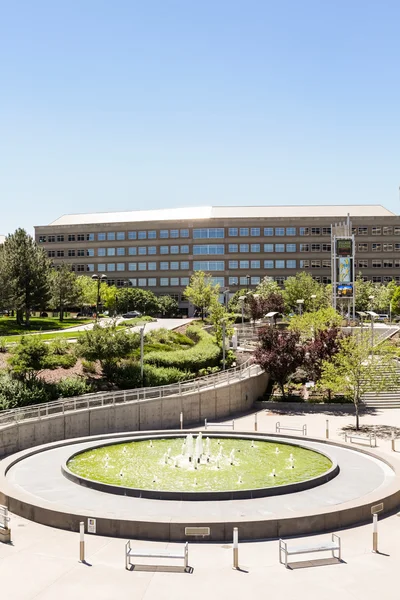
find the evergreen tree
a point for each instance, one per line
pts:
(25, 268)
(64, 288)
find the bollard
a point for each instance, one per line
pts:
(393, 443)
(327, 429)
(255, 422)
(375, 533)
(235, 548)
(82, 542)
(181, 419)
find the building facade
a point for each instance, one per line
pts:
(159, 250)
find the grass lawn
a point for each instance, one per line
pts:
(66, 335)
(9, 326)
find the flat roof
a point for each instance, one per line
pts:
(225, 212)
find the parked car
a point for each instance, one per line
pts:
(131, 314)
(382, 318)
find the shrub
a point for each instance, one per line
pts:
(14, 393)
(88, 366)
(206, 353)
(3, 345)
(66, 361)
(155, 376)
(59, 347)
(127, 375)
(192, 332)
(72, 386)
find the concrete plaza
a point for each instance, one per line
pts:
(42, 563)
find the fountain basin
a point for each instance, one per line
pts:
(146, 468)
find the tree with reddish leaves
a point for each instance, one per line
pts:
(280, 353)
(274, 302)
(259, 306)
(325, 344)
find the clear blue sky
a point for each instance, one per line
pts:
(132, 104)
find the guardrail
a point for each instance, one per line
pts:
(87, 401)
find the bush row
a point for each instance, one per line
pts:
(14, 392)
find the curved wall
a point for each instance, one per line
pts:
(155, 413)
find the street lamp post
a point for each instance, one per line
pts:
(223, 346)
(242, 299)
(226, 297)
(371, 299)
(100, 279)
(141, 352)
(247, 282)
(300, 302)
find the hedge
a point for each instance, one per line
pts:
(206, 353)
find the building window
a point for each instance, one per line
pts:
(387, 263)
(243, 248)
(218, 281)
(279, 264)
(209, 249)
(110, 266)
(268, 247)
(396, 230)
(51, 238)
(315, 231)
(376, 279)
(363, 231)
(184, 265)
(132, 251)
(71, 237)
(52, 253)
(132, 235)
(174, 281)
(151, 250)
(363, 247)
(120, 235)
(80, 268)
(376, 247)
(233, 264)
(255, 232)
(397, 247)
(60, 253)
(111, 236)
(142, 266)
(120, 266)
(142, 282)
(255, 247)
(174, 233)
(212, 265)
(184, 249)
(60, 238)
(90, 252)
(244, 281)
(268, 264)
(304, 231)
(142, 250)
(279, 231)
(326, 231)
(268, 231)
(315, 247)
(280, 280)
(376, 231)
(233, 247)
(184, 233)
(101, 267)
(152, 281)
(304, 264)
(101, 237)
(120, 251)
(164, 266)
(42, 238)
(304, 247)
(279, 247)
(71, 252)
(174, 249)
(255, 280)
(90, 237)
(80, 252)
(174, 265)
(80, 237)
(132, 266)
(388, 247)
(255, 264)
(363, 264)
(326, 248)
(388, 231)
(185, 281)
(212, 232)
(290, 230)
(164, 234)
(315, 264)
(90, 267)
(233, 280)
(243, 264)
(110, 251)
(290, 247)
(291, 264)
(244, 231)
(151, 235)
(233, 231)
(164, 249)
(142, 235)
(164, 281)
(326, 264)
(152, 266)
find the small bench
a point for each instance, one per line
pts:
(230, 424)
(364, 438)
(332, 546)
(279, 428)
(146, 553)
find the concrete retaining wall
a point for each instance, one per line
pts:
(158, 413)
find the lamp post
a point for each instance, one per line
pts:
(223, 346)
(226, 297)
(300, 302)
(242, 299)
(141, 352)
(100, 279)
(313, 297)
(371, 299)
(248, 278)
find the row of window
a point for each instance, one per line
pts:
(378, 247)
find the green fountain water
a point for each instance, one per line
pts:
(163, 464)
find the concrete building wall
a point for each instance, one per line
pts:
(152, 414)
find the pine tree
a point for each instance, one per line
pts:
(64, 288)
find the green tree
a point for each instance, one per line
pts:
(219, 318)
(64, 288)
(364, 289)
(267, 286)
(29, 357)
(303, 287)
(143, 301)
(201, 292)
(311, 323)
(107, 345)
(235, 305)
(395, 301)
(354, 371)
(26, 269)
(168, 306)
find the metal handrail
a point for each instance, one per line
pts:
(86, 401)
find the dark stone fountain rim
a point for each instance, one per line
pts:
(204, 495)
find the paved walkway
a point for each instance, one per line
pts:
(42, 563)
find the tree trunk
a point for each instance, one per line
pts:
(282, 386)
(19, 316)
(356, 404)
(27, 316)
